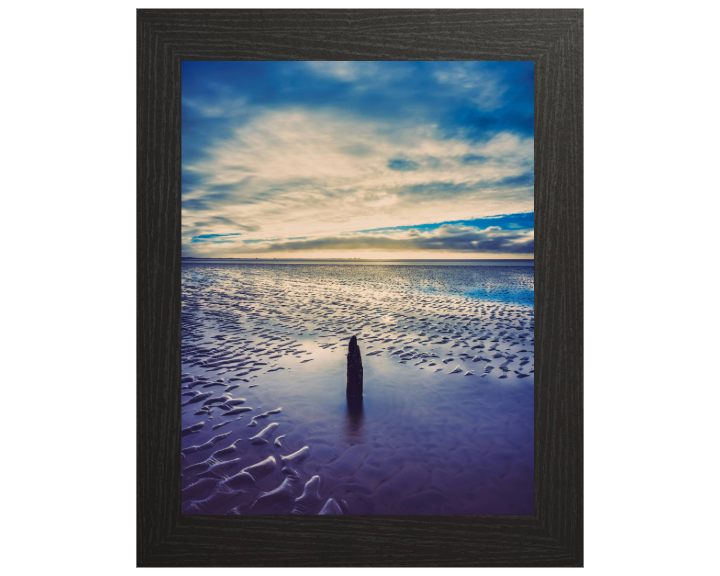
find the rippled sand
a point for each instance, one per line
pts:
(446, 422)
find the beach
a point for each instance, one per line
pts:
(445, 424)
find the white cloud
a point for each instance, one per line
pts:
(458, 239)
(296, 172)
(351, 71)
(483, 88)
(225, 108)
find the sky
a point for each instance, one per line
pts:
(426, 160)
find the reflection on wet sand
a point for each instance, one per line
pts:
(354, 417)
(445, 421)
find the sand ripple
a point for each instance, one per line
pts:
(423, 441)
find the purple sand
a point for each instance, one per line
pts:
(420, 441)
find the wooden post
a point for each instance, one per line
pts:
(354, 370)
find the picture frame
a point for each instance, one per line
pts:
(553, 39)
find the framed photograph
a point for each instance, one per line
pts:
(360, 288)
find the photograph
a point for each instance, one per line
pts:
(357, 288)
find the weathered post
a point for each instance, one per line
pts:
(354, 370)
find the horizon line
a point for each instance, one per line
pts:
(320, 258)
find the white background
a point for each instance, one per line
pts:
(68, 225)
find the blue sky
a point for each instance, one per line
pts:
(358, 159)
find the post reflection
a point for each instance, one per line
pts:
(354, 416)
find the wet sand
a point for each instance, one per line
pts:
(446, 422)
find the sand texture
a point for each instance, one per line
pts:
(445, 423)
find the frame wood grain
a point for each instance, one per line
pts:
(553, 40)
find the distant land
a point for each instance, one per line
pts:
(369, 259)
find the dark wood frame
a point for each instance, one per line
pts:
(553, 40)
